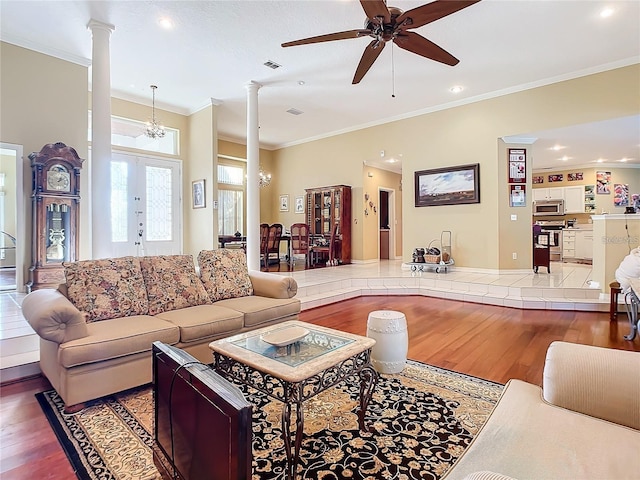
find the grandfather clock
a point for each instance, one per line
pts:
(56, 200)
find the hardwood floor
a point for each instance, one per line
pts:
(495, 343)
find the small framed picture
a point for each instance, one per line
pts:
(299, 204)
(197, 193)
(284, 203)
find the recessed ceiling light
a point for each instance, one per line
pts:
(295, 111)
(555, 148)
(606, 12)
(565, 158)
(301, 82)
(166, 23)
(456, 89)
(623, 160)
(600, 160)
(391, 160)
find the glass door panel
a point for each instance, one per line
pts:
(145, 206)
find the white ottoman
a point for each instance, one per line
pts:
(389, 330)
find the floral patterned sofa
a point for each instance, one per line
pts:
(96, 330)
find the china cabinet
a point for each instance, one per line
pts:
(326, 206)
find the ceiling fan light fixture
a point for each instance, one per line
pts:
(390, 24)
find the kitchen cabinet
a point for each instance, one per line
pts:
(584, 244)
(553, 193)
(574, 199)
(568, 244)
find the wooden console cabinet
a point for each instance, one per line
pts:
(326, 206)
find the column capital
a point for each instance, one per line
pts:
(252, 86)
(97, 25)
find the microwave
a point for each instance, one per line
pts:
(548, 207)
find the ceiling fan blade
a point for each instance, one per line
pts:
(415, 43)
(420, 16)
(376, 8)
(329, 37)
(369, 56)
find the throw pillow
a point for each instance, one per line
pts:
(224, 273)
(107, 288)
(172, 283)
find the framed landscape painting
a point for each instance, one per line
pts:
(448, 186)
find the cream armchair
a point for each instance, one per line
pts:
(584, 423)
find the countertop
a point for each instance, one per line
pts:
(581, 226)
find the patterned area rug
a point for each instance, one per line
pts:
(424, 418)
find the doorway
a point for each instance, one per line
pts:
(12, 216)
(146, 216)
(386, 205)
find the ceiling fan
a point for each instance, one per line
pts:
(390, 23)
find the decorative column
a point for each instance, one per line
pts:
(215, 108)
(100, 162)
(253, 165)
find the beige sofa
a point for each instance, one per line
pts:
(97, 329)
(583, 424)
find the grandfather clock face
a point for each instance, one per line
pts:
(58, 178)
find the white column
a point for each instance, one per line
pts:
(215, 107)
(100, 166)
(253, 165)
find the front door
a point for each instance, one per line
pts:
(146, 208)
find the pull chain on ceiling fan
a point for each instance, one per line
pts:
(390, 23)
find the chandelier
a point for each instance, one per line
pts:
(264, 179)
(153, 129)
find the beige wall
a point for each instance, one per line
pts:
(200, 224)
(43, 100)
(483, 234)
(515, 235)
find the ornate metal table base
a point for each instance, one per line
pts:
(294, 394)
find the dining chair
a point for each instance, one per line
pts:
(264, 237)
(273, 243)
(300, 243)
(328, 250)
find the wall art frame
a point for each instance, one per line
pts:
(284, 203)
(447, 186)
(198, 197)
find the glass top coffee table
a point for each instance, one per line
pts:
(294, 361)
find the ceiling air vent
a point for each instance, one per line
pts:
(295, 111)
(271, 64)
